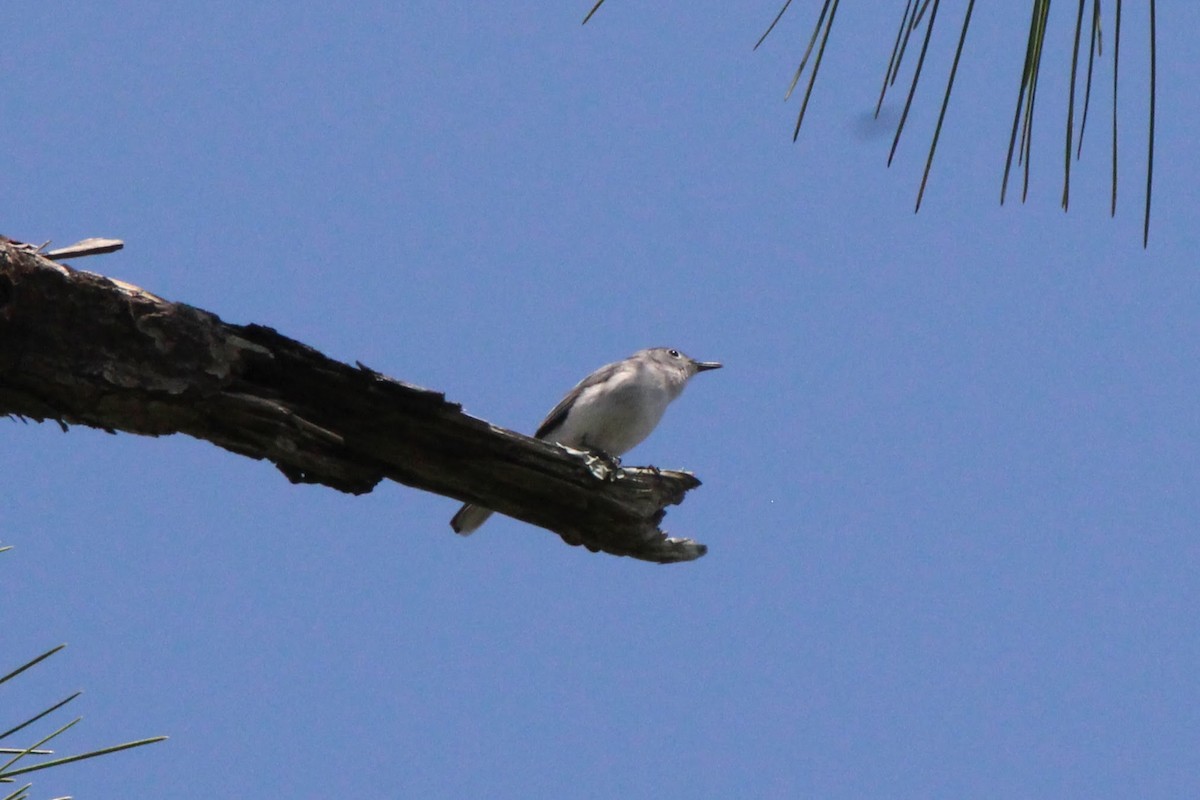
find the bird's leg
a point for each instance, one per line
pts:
(610, 464)
(603, 455)
(606, 457)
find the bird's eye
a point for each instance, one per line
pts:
(673, 353)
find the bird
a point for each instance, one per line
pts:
(610, 411)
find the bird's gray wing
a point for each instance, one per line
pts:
(558, 414)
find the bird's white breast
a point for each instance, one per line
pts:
(616, 415)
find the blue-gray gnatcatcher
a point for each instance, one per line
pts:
(610, 410)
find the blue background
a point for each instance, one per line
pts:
(949, 470)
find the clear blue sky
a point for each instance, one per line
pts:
(950, 470)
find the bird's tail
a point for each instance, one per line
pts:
(469, 518)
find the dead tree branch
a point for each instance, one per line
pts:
(80, 348)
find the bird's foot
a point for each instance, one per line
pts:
(603, 465)
(606, 457)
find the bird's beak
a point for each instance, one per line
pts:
(701, 366)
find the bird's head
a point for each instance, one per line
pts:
(678, 364)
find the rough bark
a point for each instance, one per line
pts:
(80, 348)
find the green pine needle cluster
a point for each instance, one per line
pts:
(919, 17)
(15, 761)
